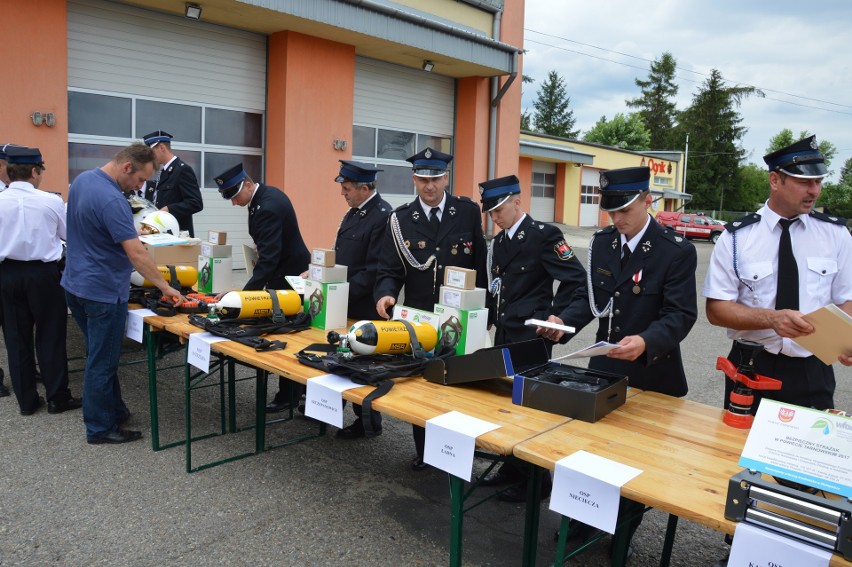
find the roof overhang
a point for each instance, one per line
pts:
(376, 28)
(554, 152)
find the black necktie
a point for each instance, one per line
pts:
(625, 257)
(787, 293)
(434, 222)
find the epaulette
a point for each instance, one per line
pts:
(402, 208)
(829, 218)
(675, 237)
(606, 230)
(734, 226)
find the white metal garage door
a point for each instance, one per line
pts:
(398, 111)
(543, 200)
(590, 197)
(206, 80)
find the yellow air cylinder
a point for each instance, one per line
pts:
(186, 275)
(389, 337)
(257, 304)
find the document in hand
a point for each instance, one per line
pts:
(832, 334)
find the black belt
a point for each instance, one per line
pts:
(9, 261)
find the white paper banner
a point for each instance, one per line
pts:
(324, 398)
(198, 350)
(755, 546)
(135, 323)
(451, 440)
(587, 488)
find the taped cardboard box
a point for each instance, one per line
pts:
(175, 254)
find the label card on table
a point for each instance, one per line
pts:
(587, 488)
(756, 546)
(804, 445)
(324, 398)
(451, 440)
(198, 349)
(135, 322)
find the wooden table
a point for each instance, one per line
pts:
(687, 455)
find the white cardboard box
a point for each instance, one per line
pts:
(462, 278)
(327, 304)
(327, 274)
(462, 298)
(216, 250)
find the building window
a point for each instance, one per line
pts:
(663, 181)
(100, 124)
(544, 185)
(388, 149)
(590, 195)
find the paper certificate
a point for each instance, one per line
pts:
(198, 349)
(804, 445)
(587, 488)
(135, 323)
(451, 440)
(324, 398)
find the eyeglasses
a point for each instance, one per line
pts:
(232, 191)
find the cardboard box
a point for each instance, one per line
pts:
(218, 237)
(462, 278)
(416, 315)
(327, 274)
(323, 257)
(327, 304)
(215, 275)
(534, 384)
(463, 329)
(176, 254)
(462, 298)
(215, 250)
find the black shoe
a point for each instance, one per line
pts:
(31, 411)
(418, 465)
(4, 391)
(115, 437)
(499, 478)
(65, 405)
(276, 407)
(518, 493)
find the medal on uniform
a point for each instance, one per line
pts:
(637, 277)
(408, 244)
(467, 247)
(421, 244)
(454, 250)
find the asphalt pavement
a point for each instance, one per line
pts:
(321, 502)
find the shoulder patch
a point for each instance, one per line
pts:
(833, 219)
(734, 226)
(675, 237)
(563, 251)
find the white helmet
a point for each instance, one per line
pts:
(163, 222)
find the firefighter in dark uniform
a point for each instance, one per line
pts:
(641, 288)
(4, 181)
(422, 238)
(357, 247)
(176, 190)
(32, 227)
(527, 256)
(274, 228)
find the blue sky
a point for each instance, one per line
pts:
(799, 53)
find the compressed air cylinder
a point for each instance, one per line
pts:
(389, 337)
(186, 275)
(257, 304)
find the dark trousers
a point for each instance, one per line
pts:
(806, 382)
(34, 302)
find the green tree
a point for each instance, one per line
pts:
(785, 137)
(656, 104)
(552, 113)
(713, 125)
(836, 198)
(753, 191)
(526, 115)
(627, 132)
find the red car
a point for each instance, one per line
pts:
(692, 225)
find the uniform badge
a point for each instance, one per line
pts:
(428, 153)
(415, 215)
(521, 235)
(452, 211)
(454, 250)
(814, 145)
(421, 244)
(615, 243)
(563, 251)
(496, 270)
(362, 212)
(737, 223)
(678, 239)
(646, 246)
(408, 244)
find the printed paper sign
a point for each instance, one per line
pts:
(756, 546)
(587, 488)
(198, 349)
(450, 442)
(324, 398)
(135, 323)
(804, 445)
